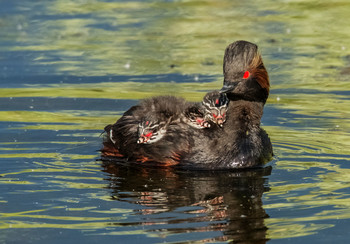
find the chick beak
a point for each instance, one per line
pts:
(220, 120)
(144, 138)
(141, 139)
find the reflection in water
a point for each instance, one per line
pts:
(180, 202)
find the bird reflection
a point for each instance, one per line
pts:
(229, 202)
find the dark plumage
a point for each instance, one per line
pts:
(149, 131)
(239, 143)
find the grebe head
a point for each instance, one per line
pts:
(151, 131)
(194, 117)
(215, 107)
(245, 76)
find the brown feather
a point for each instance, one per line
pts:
(258, 70)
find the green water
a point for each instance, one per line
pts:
(68, 68)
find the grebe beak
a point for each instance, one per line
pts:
(228, 86)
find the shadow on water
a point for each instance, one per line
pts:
(193, 204)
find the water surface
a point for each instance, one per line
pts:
(68, 68)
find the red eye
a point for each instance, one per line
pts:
(246, 75)
(147, 122)
(149, 134)
(217, 101)
(214, 115)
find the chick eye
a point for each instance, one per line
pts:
(246, 75)
(155, 129)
